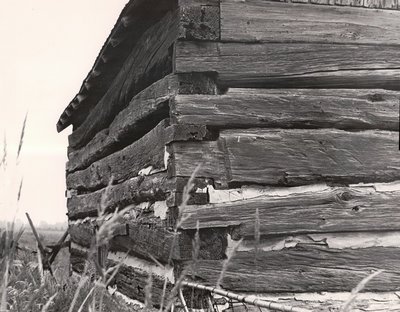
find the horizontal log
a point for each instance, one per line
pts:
(291, 157)
(145, 110)
(266, 21)
(149, 238)
(133, 191)
(305, 269)
(335, 209)
(293, 65)
(291, 108)
(143, 113)
(127, 163)
(148, 62)
(132, 276)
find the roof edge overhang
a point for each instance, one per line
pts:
(110, 48)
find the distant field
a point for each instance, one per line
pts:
(47, 237)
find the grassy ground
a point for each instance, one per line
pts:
(28, 288)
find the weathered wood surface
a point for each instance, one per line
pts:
(328, 301)
(305, 269)
(335, 209)
(129, 280)
(265, 21)
(381, 4)
(291, 157)
(151, 239)
(139, 189)
(144, 111)
(132, 283)
(298, 65)
(135, 19)
(199, 20)
(127, 163)
(151, 61)
(291, 108)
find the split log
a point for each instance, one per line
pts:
(291, 157)
(127, 163)
(132, 276)
(149, 62)
(295, 65)
(151, 239)
(291, 108)
(334, 209)
(265, 21)
(139, 189)
(304, 269)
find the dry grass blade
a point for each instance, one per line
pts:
(3, 303)
(226, 262)
(257, 243)
(20, 189)
(48, 303)
(147, 290)
(86, 299)
(354, 293)
(104, 197)
(81, 283)
(4, 158)
(21, 139)
(185, 199)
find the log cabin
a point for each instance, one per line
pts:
(287, 112)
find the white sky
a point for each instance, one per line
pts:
(47, 49)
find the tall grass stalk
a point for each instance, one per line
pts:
(185, 200)
(356, 290)
(226, 262)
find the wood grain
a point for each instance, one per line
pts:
(149, 62)
(293, 65)
(291, 157)
(136, 190)
(137, 17)
(336, 209)
(126, 163)
(129, 280)
(266, 21)
(291, 108)
(144, 112)
(151, 239)
(305, 269)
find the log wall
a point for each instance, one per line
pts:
(290, 110)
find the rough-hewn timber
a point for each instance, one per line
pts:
(151, 239)
(293, 65)
(128, 162)
(131, 278)
(291, 108)
(265, 21)
(305, 268)
(151, 61)
(137, 17)
(199, 20)
(335, 209)
(291, 157)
